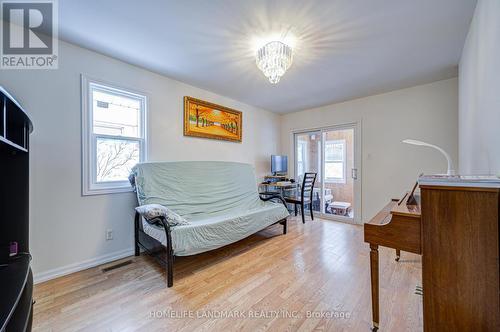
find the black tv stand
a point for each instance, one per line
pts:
(16, 278)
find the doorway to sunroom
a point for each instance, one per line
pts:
(333, 154)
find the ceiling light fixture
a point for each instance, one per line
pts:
(274, 58)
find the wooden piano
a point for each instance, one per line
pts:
(455, 227)
(398, 225)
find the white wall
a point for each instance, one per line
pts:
(389, 168)
(68, 230)
(479, 119)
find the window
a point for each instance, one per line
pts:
(335, 157)
(114, 136)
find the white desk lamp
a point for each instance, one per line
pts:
(450, 171)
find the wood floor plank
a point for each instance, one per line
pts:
(314, 278)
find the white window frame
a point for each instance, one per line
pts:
(343, 161)
(89, 140)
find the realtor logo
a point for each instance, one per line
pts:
(29, 34)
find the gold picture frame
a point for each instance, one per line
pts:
(208, 120)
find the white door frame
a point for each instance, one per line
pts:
(357, 127)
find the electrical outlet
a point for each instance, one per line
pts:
(109, 234)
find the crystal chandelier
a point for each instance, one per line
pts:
(274, 59)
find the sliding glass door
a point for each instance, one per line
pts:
(338, 164)
(333, 154)
(308, 159)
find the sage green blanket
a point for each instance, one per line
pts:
(219, 199)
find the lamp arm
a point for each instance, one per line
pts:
(451, 170)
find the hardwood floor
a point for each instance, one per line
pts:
(274, 282)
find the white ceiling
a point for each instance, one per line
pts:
(344, 48)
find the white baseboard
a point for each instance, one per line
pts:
(86, 264)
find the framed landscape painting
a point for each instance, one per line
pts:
(204, 119)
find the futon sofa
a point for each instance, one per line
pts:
(218, 200)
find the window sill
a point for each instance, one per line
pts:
(106, 191)
(336, 181)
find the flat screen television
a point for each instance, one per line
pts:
(279, 164)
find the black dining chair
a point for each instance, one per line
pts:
(305, 196)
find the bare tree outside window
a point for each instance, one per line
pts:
(115, 159)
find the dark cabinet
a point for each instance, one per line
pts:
(16, 280)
